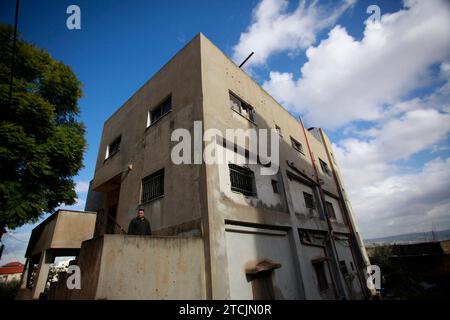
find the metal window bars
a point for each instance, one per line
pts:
(242, 180)
(153, 186)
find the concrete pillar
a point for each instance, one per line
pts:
(26, 272)
(41, 274)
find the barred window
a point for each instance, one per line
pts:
(309, 200)
(242, 180)
(330, 210)
(153, 186)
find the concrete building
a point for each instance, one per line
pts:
(220, 231)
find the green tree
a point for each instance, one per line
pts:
(41, 138)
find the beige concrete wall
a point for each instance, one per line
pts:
(45, 240)
(297, 188)
(359, 249)
(72, 228)
(137, 267)
(220, 76)
(353, 284)
(147, 149)
(265, 197)
(247, 245)
(311, 282)
(67, 230)
(337, 209)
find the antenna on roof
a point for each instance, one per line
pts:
(246, 59)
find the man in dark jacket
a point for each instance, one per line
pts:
(140, 226)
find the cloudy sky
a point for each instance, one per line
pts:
(379, 85)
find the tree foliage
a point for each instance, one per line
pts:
(41, 138)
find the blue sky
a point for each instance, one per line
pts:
(121, 44)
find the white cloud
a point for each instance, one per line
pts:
(274, 30)
(369, 80)
(359, 80)
(385, 198)
(405, 203)
(397, 139)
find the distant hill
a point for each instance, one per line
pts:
(411, 237)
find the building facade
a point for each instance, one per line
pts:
(290, 235)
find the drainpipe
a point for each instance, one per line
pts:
(363, 260)
(340, 285)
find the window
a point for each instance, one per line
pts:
(343, 267)
(324, 167)
(153, 186)
(241, 107)
(242, 180)
(319, 267)
(297, 145)
(113, 147)
(158, 112)
(309, 200)
(330, 210)
(278, 130)
(352, 266)
(111, 220)
(275, 186)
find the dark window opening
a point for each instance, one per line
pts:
(111, 219)
(242, 180)
(262, 286)
(297, 145)
(352, 266)
(309, 200)
(241, 107)
(324, 167)
(330, 210)
(153, 186)
(275, 186)
(319, 267)
(162, 109)
(278, 130)
(113, 147)
(343, 267)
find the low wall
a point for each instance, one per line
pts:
(141, 267)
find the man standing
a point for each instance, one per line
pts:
(140, 226)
